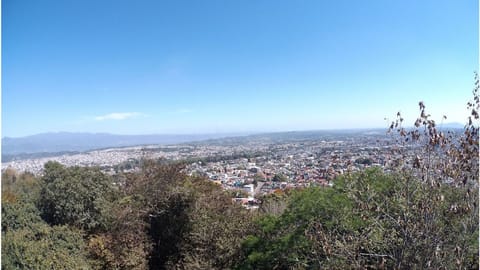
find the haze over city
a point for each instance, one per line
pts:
(237, 66)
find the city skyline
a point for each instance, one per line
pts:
(216, 67)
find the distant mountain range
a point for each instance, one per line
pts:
(45, 144)
(67, 141)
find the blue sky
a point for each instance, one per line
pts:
(138, 67)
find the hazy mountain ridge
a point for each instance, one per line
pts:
(66, 141)
(51, 144)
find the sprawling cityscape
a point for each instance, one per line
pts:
(257, 164)
(240, 134)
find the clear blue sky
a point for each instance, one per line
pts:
(137, 67)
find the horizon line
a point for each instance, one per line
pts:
(245, 132)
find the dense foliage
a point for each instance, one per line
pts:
(162, 219)
(369, 219)
(28, 242)
(78, 196)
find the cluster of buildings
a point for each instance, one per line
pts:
(297, 164)
(251, 166)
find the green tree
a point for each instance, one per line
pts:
(77, 196)
(281, 241)
(20, 214)
(216, 228)
(30, 243)
(40, 246)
